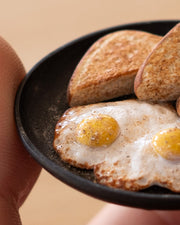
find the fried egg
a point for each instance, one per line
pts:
(129, 144)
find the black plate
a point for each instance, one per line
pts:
(41, 100)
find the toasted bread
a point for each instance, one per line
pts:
(178, 106)
(158, 79)
(108, 68)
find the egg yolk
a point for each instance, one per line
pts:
(167, 143)
(97, 130)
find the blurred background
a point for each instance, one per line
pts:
(35, 28)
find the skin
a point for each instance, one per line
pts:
(19, 172)
(119, 215)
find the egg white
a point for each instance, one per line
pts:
(129, 162)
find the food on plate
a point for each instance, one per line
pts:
(158, 79)
(108, 68)
(132, 157)
(178, 106)
(130, 144)
(97, 130)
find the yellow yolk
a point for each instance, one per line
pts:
(167, 143)
(97, 130)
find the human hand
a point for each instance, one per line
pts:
(18, 171)
(120, 215)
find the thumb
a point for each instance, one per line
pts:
(18, 171)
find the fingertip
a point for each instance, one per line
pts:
(11, 74)
(11, 67)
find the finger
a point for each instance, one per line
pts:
(119, 215)
(18, 171)
(169, 217)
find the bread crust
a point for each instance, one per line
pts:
(178, 106)
(108, 68)
(158, 78)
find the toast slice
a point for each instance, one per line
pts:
(108, 68)
(178, 106)
(158, 79)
